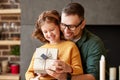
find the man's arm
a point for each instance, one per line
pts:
(62, 76)
(83, 77)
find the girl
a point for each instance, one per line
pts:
(48, 31)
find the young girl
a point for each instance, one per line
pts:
(48, 31)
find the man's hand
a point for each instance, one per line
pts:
(59, 70)
(35, 78)
(59, 76)
(42, 74)
(83, 77)
(62, 67)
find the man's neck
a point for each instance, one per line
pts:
(75, 40)
(77, 37)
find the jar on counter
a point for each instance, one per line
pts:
(4, 66)
(14, 68)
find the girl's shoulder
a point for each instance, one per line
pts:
(69, 42)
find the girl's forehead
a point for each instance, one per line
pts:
(49, 26)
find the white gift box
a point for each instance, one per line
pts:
(44, 58)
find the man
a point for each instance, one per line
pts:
(91, 47)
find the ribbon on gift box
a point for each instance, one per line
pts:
(44, 56)
(49, 56)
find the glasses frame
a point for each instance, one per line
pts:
(71, 26)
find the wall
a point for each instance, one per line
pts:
(97, 11)
(100, 12)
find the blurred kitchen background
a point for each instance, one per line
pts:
(10, 24)
(17, 24)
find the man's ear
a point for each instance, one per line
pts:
(83, 24)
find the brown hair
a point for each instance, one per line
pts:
(46, 16)
(74, 9)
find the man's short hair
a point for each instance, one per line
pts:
(74, 9)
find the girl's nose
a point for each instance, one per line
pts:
(49, 33)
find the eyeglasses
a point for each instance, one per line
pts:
(70, 27)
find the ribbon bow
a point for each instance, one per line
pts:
(48, 56)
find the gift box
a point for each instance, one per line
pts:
(44, 58)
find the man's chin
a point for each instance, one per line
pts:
(68, 37)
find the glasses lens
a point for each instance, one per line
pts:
(70, 27)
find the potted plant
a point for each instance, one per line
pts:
(15, 50)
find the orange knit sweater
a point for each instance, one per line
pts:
(68, 52)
